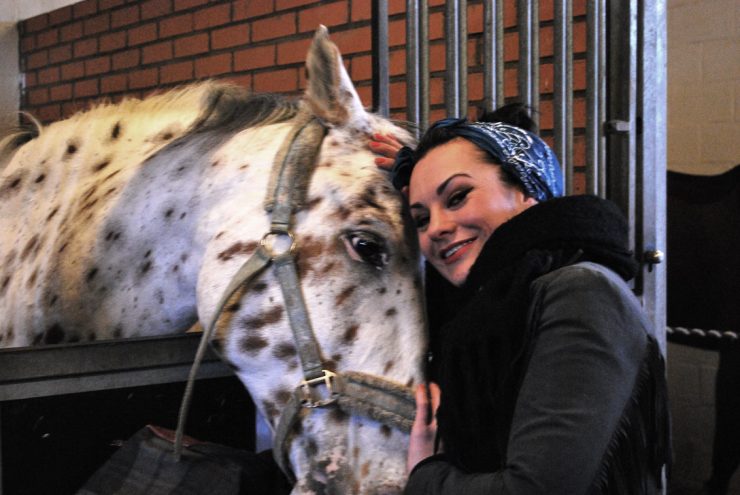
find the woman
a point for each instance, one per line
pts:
(549, 378)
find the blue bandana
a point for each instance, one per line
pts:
(523, 154)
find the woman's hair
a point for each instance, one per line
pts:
(516, 114)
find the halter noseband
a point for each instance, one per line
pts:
(354, 392)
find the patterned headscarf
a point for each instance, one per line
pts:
(521, 153)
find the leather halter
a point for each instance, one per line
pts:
(354, 392)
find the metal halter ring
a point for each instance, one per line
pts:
(270, 247)
(306, 385)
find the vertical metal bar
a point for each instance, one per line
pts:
(413, 67)
(529, 67)
(621, 125)
(493, 58)
(456, 100)
(651, 158)
(423, 44)
(563, 89)
(381, 79)
(595, 98)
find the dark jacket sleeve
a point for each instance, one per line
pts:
(591, 338)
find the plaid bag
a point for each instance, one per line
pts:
(145, 464)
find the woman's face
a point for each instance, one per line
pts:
(457, 201)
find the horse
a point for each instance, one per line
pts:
(132, 219)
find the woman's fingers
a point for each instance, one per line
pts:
(387, 147)
(424, 429)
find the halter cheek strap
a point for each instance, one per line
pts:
(354, 392)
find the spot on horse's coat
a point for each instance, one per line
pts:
(391, 312)
(72, 147)
(269, 317)
(53, 335)
(342, 213)
(386, 431)
(270, 409)
(145, 267)
(100, 166)
(4, 285)
(342, 296)
(259, 287)
(284, 350)
(115, 132)
(91, 274)
(252, 344)
(282, 396)
(40, 178)
(313, 203)
(350, 334)
(338, 416)
(388, 366)
(11, 184)
(237, 249)
(111, 175)
(168, 213)
(30, 245)
(52, 213)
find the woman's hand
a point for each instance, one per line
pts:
(424, 430)
(387, 147)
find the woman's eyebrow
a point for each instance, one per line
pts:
(441, 188)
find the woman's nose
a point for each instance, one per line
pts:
(440, 225)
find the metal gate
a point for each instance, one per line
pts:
(625, 100)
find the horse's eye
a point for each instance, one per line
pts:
(366, 247)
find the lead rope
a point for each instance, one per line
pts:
(282, 199)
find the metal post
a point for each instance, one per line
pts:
(493, 59)
(381, 80)
(595, 98)
(417, 63)
(563, 89)
(456, 36)
(529, 67)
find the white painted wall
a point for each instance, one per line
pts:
(9, 77)
(703, 85)
(18, 10)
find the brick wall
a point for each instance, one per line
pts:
(111, 48)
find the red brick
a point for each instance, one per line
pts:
(47, 38)
(85, 47)
(397, 94)
(290, 52)
(142, 34)
(361, 68)
(113, 84)
(436, 90)
(475, 86)
(38, 96)
(36, 23)
(436, 57)
(60, 53)
(475, 18)
(48, 113)
(97, 65)
(96, 24)
(175, 25)
(230, 36)
(189, 4)
(73, 70)
(213, 65)
(366, 95)
(71, 32)
(31, 79)
(49, 75)
(397, 62)
(173, 73)
(436, 26)
(191, 45)
(579, 150)
(155, 8)
(61, 92)
(286, 4)
(397, 33)
(328, 14)
(27, 43)
(88, 87)
(212, 16)
(277, 81)
(112, 41)
(126, 60)
(72, 107)
(144, 78)
(253, 58)
(109, 4)
(361, 11)
(37, 59)
(83, 9)
(59, 16)
(353, 40)
(125, 16)
(156, 52)
(247, 10)
(273, 27)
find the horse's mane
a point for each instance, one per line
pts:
(201, 106)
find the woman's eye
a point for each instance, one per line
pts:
(367, 247)
(421, 222)
(458, 197)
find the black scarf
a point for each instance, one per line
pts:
(480, 338)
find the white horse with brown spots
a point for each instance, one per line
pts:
(132, 219)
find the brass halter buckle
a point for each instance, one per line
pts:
(306, 385)
(274, 242)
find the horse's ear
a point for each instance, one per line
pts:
(330, 93)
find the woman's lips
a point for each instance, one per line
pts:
(453, 253)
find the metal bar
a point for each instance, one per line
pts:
(595, 98)
(456, 100)
(60, 369)
(563, 89)
(621, 127)
(381, 79)
(413, 65)
(423, 64)
(651, 158)
(493, 58)
(528, 74)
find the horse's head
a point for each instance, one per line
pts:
(358, 270)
